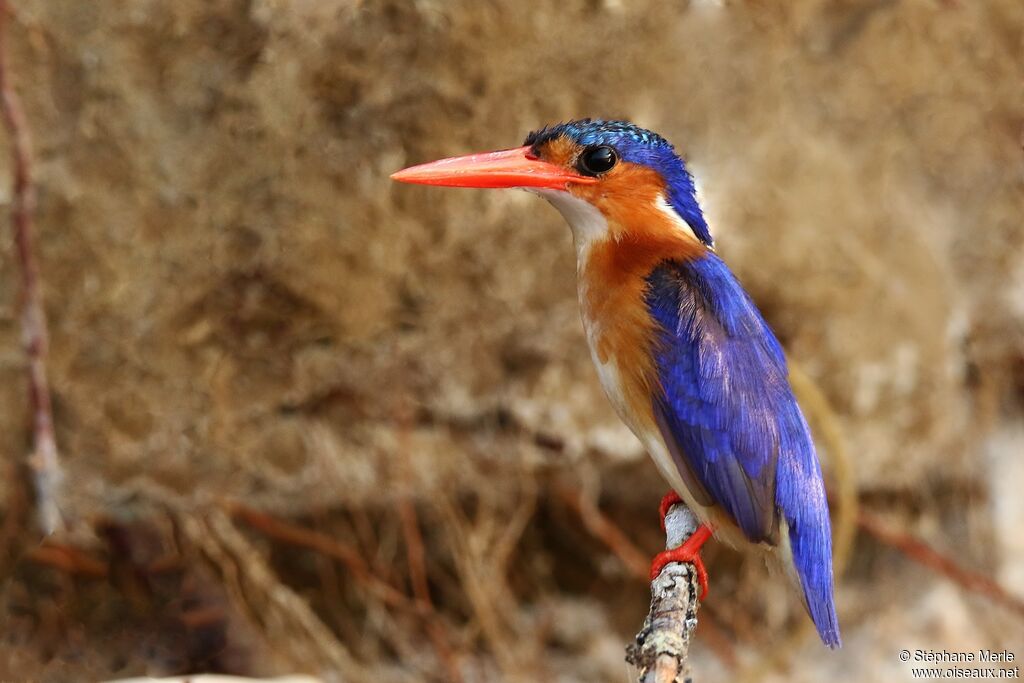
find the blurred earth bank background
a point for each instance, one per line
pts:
(256, 335)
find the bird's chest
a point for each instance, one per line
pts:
(597, 331)
(618, 330)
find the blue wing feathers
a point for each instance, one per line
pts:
(729, 415)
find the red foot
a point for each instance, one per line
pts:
(689, 551)
(667, 501)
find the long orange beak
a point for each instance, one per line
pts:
(507, 168)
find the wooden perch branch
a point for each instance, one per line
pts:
(662, 648)
(920, 552)
(43, 462)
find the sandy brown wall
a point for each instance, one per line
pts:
(242, 306)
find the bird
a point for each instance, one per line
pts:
(682, 352)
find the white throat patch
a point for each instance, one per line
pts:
(587, 223)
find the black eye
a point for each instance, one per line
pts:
(597, 160)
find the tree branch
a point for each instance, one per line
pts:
(43, 462)
(662, 648)
(920, 552)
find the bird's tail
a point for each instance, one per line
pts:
(807, 533)
(808, 541)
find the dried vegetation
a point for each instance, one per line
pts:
(311, 421)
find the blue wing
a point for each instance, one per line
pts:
(729, 416)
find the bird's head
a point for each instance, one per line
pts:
(610, 179)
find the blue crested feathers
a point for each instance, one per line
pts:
(640, 146)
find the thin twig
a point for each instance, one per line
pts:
(920, 552)
(421, 589)
(321, 543)
(407, 510)
(69, 560)
(414, 552)
(43, 462)
(414, 548)
(290, 626)
(482, 576)
(602, 528)
(662, 648)
(15, 517)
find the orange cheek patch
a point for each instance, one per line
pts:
(629, 197)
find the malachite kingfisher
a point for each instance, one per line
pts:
(684, 355)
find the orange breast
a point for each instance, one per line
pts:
(613, 291)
